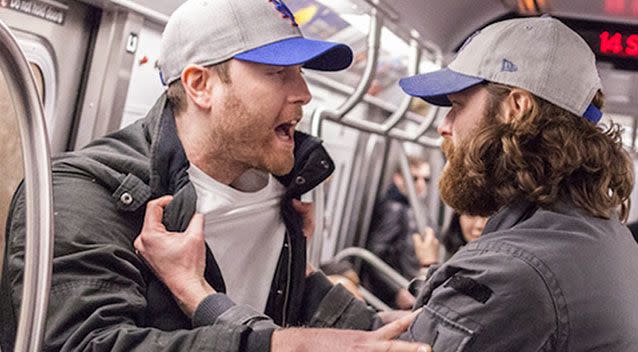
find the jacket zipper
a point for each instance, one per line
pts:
(285, 309)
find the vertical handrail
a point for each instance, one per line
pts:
(318, 194)
(412, 196)
(318, 198)
(39, 199)
(374, 40)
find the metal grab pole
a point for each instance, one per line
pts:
(413, 69)
(419, 214)
(375, 262)
(39, 199)
(374, 38)
(318, 194)
(318, 198)
(374, 300)
(418, 136)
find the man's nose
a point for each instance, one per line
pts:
(445, 127)
(299, 92)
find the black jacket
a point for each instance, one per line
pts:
(104, 298)
(390, 238)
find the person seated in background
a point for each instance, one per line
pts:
(390, 235)
(342, 273)
(462, 229)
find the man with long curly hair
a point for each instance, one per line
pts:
(555, 269)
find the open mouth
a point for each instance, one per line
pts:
(285, 131)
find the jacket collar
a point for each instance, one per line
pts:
(169, 164)
(509, 216)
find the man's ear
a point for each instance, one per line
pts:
(517, 104)
(196, 82)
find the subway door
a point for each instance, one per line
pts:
(145, 85)
(55, 38)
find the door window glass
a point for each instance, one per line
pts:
(12, 167)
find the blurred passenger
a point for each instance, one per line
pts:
(555, 269)
(342, 273)
(390, 236)
(462, 230)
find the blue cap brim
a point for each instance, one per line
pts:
(434, 87)
(312, 54)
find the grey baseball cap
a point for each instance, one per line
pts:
(207, 32)
(539, 54)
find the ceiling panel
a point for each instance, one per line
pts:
(446, 23)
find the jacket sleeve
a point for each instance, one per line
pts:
(332, 306)
(98, 299)
(485, 300)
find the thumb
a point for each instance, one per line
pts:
(398, 326)
(301, 207)
(429, 234)
(196, 225)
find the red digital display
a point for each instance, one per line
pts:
(621, 7)
(618, 44)
(615, 43)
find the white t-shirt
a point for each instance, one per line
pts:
(244, 230)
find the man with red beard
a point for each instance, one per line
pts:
(555, 269)
(220, 264)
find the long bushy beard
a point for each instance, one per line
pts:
(469, 187)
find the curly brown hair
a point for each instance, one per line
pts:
(548, 154)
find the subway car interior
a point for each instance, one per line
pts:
(73, 71)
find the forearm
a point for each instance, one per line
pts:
(317, 340)
(102, 316)
(190, 296)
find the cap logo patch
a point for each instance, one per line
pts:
(508, 66)
(285, 11)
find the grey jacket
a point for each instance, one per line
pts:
(537, 280)
(104, 298)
